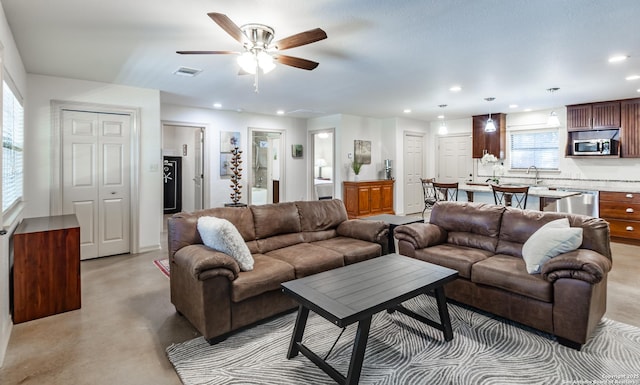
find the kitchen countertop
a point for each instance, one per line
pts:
(542, 192)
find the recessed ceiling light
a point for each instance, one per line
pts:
(619, 58)
(186, 71)
(513, 106)
(280, 112)
(638, 89)
(527, 110)
(455, 88)
(217, 105)
(440, 116)
(407, 111)
(633, 77)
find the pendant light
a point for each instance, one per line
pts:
(553, 120)
(490, 127)
(442, 130)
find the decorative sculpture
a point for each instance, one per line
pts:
(235, 168)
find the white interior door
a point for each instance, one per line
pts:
(199, 169)
(454, 158)
(413, 171)
(96, 166)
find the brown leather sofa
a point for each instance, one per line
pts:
(287, 241)
(484, 244)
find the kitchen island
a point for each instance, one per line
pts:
(539, 196)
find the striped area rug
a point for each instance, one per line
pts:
(401, 350)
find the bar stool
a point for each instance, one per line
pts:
(429, 193)
(511, 196)
(446, 191)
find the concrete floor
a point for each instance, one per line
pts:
(126, 321)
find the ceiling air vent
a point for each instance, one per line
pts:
(186, 71)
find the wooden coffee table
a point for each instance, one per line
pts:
(356, 292)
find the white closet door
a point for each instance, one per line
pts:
(96, 178)
(413, 172)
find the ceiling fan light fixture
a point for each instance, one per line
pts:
(247, 61)
(265, 62)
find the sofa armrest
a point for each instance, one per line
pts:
(204, 263)
(583, 264)
(421, 235)
(371, 231)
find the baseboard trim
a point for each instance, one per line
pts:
(146, 249)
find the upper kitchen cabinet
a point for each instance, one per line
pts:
(593, 116)
(630, 128)
(489, 142)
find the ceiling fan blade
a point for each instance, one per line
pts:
(207, 52)
(229, 26)
(296, 62)
(301, 38)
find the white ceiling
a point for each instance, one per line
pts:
(380, 57)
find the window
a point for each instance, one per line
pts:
(535, 148)
(12, 146)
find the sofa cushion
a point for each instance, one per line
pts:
(279, 241)
(274, 219)
(321, 215)
(267, 274)
(482, 220)
(220, 234)
(354, 250)
(509, 273)
(456, 257)
(308, 259)
(551, 240)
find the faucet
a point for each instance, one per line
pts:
(537, 180)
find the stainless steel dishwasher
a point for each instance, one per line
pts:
(585, 204)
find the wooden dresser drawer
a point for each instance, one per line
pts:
(620, 210)
(614, 196)
(624, 229)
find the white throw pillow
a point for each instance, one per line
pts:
(221, 235)
(551, 240)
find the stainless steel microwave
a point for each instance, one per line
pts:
(595, 147)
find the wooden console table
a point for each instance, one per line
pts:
(366, 198)
(46, 267)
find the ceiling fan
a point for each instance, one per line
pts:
(260, 51)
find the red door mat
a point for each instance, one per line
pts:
(163, 265)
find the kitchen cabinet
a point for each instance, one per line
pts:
(622, 211)
(489, 142)
(630, 128)
(46, 268)
(593, 116)
(366, 198)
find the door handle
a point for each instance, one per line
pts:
(113, 193)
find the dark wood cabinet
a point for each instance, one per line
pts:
(489, 142)
(46, 267)
(593, 116)
(630, 128)
(366, 198)
(622, 211)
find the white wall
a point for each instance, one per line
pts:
(12, 63)
(216, 121)
(41, 90)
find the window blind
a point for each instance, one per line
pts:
(535, 148)
(12, 147)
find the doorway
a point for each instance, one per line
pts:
(183, 146)
(413, 171)
(267, 167)
(323, 153)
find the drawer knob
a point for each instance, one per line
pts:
(630, 210)
(629, 195)
(629, 228)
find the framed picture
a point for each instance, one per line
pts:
(296, 150)
(362, 151)
(225, 165)
(229, 140)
